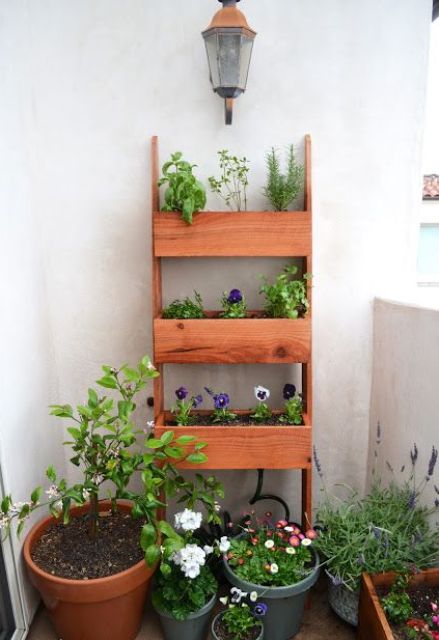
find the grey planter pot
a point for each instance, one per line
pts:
(195, 627)
(219, 615)
(285, 604)
(343, 601)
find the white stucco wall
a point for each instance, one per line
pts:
(404, 389)
(90, 81)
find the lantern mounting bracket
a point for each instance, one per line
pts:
(228, 110)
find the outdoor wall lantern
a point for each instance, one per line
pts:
(229, 43)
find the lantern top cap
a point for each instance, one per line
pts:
(229, 16)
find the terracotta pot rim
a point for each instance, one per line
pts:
(41, 524)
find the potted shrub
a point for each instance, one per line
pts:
(87, 558)
(385, 530)
(185, 588)
(402, 605)
(242, 619)
(276, 561)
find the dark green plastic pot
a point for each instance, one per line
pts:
(285, 604)
(219, 616)
(195, 627)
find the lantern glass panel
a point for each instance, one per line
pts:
(229, 53)
(246, 52)
(211, 49)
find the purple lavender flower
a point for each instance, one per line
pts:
(414, 454)
(361, 559)
(197, 400)
(402, 469)
(378, 433)
(317, 462)
(436, 503)
(336, 580)
(209, 391)
(411, 502)
(221, 400)
(289, 391)
(181, 393)
(432, 462)
(260, 609)
(235, 296)
(436, 489)
(389, 466)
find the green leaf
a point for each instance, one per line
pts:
(107, 381)
(36, 494)
(152, 554)
(174, 452)
(62, 411)
(51, 473)
(165, 569)
(154, 443)
(185, 439)
(167, 437)
(74, 432)
(165, 528)
(131, 374)
(148, 536)
(6, 503)
(93, 398)
(197, 458)
(125, 408)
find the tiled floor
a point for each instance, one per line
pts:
(319, 623)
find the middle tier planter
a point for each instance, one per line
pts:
(247, 447)
(227, 341)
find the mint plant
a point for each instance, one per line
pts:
(286, 297)
(281, 189)
(232, 184)
(234, 305)
(184, 192)
(185, 309)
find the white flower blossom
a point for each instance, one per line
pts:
(217, 506)
(237, 595)
(306, 542)
(190, 559)
(261, 393)
(53, 492)
(97, 478)
(253, 596)
(85, 493)
(207, 549)
(290, 550)
(269, 544)
(188, 520)
(4, 521)
(149, 427)
(274, 568)
(17, 507)
(150, 366)
(224, 544)
(224, 600)
(288, 529)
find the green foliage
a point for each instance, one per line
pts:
(281, 189)
(182, 411)
(397, 604)
(383, 531)
(238, 620)
(223, 416)
(233, 309)
(286, 298)
(232, 184)
(179, 596)
(293, 410)
(184, 192)
(261, 412)
(185, 309)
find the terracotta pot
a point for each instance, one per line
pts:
(97, 609)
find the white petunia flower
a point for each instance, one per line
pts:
(261, 393)
(253, 596)
(306, 542)
(274, 568)
(188, 520)
(224, 544)
(190, 559)
(269, 544)
(207, 549)
(290, 550)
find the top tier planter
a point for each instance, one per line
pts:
(254, 339)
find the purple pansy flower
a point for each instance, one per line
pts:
(221, 400)
(235, 296)
(181, 393)
(289, 391)
(197, 400)
(260, 609)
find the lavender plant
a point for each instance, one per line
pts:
(232, 184)
(386, 530)
(293, 407)
(234, 305)
(221, 414)
(184, 406)
(261, 413)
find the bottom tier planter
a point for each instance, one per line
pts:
(247, 447)
(108, 608)
(216, 622)
(285, 604)
(372, 621)
(195, 627)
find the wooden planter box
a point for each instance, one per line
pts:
(372, 621)
(234, 233)
(228, 341)
(247, 447)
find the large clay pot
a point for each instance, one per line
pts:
(285, 604)
(97, 609)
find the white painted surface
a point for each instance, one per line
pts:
(88, 83)
(404, 390)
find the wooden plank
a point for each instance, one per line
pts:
(308, 174)
(248, 447)
(223, 233)
(228, 341)
(158, 384)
